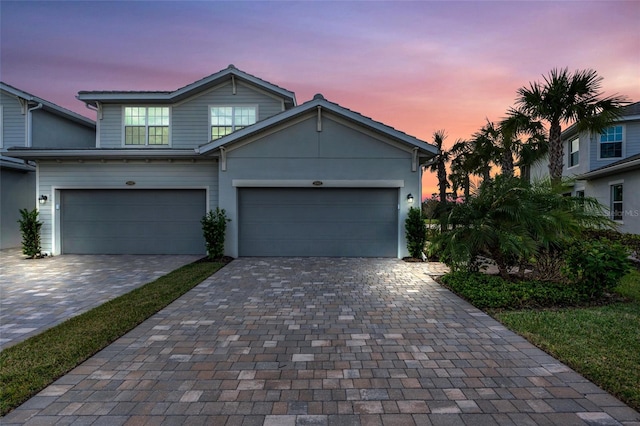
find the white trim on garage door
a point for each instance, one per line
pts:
(132, 221)
(336, 222)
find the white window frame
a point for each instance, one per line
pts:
(612, 185)
(233, 107)
(146, 144)
(623, 142)
(570, 152)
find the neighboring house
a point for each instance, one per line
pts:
(315, 179)
(606, 166)
(29, 121)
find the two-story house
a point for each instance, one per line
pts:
(606, 166)
(29, 121)
(315, 179)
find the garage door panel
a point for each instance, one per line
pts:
(132, 221)
(318, 222)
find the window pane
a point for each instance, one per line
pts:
(221, 116)
(611, 150)
(158, 116)
(244, 116)
(158, 135)
(219, 131)
(134, 116)
(134, 135)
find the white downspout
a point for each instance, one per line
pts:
(29, 124)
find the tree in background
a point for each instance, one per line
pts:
(439, 165)
(566, 98)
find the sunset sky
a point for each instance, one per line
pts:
(418, 66)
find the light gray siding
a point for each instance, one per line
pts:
(189, 127)
(17, 191)
(156, 174)
(13, 122)
(339, 155)
(52, 131)
(601, 190)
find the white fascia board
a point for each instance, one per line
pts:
(306, 183)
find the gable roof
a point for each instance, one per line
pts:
(319, 102)
(229, 73)
(49, 106)
(626, 164)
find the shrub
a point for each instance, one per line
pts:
(30, 230)
(214, 227)
(416, 232)
(492, 292)
(596, 266)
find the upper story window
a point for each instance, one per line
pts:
(146, 126)
(617, 208)
(574, 152)
(611, 142)
(227, 119)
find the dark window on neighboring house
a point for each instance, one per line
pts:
(574, 152)
(611, 142)
(617, 209)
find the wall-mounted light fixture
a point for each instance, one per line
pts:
(43, 199)
(410, 199)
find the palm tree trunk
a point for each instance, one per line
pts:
(507, 163)
(556, 153)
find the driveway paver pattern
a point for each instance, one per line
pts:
(36, 294)
(317, 341)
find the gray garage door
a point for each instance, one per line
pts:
(318, 222)
(135, 221)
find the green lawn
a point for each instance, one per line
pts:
(30, 366)
(601, 343)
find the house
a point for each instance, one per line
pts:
(606, 166)
(315, 179)
(29, 121)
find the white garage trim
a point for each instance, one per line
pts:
(303, 183)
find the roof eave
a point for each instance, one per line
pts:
(607, 171)
(102, 154)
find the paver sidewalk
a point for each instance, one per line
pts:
(322, 342)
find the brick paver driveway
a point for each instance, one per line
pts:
(36, 294)
(322, 342)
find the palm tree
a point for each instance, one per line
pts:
(461, 168)
(563, 99)
(527, 152)
(482, 152)
(439, 165)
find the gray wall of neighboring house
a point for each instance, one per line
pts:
(13, 122)
(299, 152)
(189, 125)
(601, 190)
(114, 174)
(53, 131)
(17, 191)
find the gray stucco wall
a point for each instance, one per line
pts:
(53, 131)
(299, 153)
(155, 174)
(17, 191)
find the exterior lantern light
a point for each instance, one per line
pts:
(410, 199)
(43, 199)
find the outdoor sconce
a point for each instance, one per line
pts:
(410, 199)
(43, 199)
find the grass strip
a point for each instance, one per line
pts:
(28, 367)
(601, 343)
